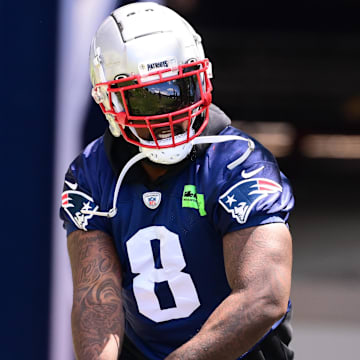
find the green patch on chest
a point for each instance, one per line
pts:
(191, 199)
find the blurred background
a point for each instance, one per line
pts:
(287, 74)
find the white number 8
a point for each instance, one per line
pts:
(142, 262)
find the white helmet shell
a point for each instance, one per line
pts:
(137, 39)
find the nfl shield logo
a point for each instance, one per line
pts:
(152, 199)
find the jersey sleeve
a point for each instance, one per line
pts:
(257, 195)
(254, 192)
(82, 192)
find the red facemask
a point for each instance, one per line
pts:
(161, 102)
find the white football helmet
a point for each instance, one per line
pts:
(151, 79)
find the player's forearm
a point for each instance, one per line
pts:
(258, 267)
(97, 316)
(97, 331)
(235, 326)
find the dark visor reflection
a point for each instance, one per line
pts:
(163, 97)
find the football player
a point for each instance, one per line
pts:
(176, 221)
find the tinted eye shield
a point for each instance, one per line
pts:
(161, 98)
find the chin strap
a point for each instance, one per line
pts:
(198, 140)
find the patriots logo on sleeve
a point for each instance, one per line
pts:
(240, 199)
(73, 202)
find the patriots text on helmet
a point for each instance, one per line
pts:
(157, 65)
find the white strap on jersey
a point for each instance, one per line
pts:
(198, 140)
(223, 138)
(112, 212)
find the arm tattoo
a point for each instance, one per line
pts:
(97, 315)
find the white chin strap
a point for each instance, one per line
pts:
(143, 154)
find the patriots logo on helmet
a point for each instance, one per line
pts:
(240, 199)
(73, 202)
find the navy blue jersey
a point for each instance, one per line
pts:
(169, 235)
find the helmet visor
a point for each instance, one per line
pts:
(162, 98)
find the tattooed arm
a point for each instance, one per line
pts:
(97, 315)
(258, 264)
